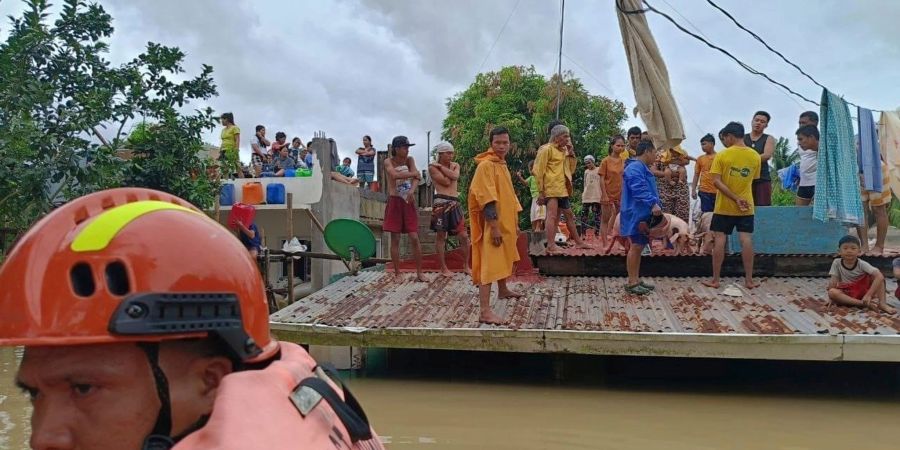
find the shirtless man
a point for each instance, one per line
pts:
(400, 214)
(446, 215)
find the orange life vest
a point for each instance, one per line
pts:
(283, 407)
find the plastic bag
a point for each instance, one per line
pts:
(293, 246)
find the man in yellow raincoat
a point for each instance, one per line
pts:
(553, 168)
(494, 218)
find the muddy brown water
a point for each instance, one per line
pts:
(691, 409)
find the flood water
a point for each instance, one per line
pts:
(457, 400)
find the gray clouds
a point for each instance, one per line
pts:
(386, 67)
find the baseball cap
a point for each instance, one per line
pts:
(400, 141)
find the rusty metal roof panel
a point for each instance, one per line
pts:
(679, 305)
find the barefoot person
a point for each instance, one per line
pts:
(494, 215)
(553, 168)
(400, 214)
(446, 215)
(855, 282)
(611, 169)
(640, 201)
(733, 172)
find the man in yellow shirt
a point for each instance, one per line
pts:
(633, 137)
(553, 169)
(733, 172)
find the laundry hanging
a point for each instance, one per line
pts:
(869, 151)
(889, 137)
(837, 179)
(649, 77)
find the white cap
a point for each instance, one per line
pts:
(443, 147)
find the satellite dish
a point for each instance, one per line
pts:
(350, 239)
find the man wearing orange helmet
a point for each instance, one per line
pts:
(138, 337)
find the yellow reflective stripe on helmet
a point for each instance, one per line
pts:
(101, 231)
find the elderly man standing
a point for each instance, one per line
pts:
(446, 215)
(553, 168)
(494, 216)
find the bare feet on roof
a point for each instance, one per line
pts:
(877, 250)
(421, 278)
(750, 284)
(712, 284)
(490, 318)
(509, 293)
(553, 250)
(446, 273)
(887, 308)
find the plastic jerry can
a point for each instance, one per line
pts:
(275, 194)
(243, 213)
(289, 172)
(252, 193)
(226, 195)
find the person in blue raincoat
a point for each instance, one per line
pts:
(640, 201)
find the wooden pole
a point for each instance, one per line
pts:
(290, 260)
(322, 230)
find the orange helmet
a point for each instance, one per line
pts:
(132, 265)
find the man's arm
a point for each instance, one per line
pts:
(540, 166)
(361, 151)
(452, 172)
(833, 282)
(438, 176)
(723, 189)
(396, 174)
(768, 150)
(696, 181)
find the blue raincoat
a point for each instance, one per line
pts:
(639, 194)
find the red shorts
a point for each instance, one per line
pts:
(400, 216)
(858, 287)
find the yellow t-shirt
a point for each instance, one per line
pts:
(627, 153)
(738, 167)
(228, 134)
(704, 164)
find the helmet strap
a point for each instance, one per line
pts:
(159, 438)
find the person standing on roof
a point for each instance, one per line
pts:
(765, 147)
(231, 143)
(136, 339)
(365, 165)
(733, 172)
(553, 168)
(703, 187)
(494, 215)
(640, 201)
(400, 214)
(590, 198)
(611, 170)
(446, 214)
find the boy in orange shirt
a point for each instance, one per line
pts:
(707, 193)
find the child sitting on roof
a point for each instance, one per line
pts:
(855, 282)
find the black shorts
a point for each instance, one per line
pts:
(561, 202)
(727, 224)
(806, 192)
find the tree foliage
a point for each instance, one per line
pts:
(525, 102)
(784, 155)
(63, 109)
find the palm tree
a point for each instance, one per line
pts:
(784, 156)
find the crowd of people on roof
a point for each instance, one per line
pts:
(278, 158)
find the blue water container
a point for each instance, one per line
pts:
(275, 194)
(289, 172)
(226, 195)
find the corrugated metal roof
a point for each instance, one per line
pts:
(679, 305)
(597, 249)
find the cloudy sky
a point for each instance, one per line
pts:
(386, 67)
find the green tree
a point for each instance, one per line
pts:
(525, 102)
(63, 109)
(784, 155)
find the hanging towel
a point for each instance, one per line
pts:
(869, 160)
(837, 179)
(889, 137)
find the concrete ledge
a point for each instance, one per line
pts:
(732, 346)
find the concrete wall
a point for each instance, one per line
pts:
(791, 230)
(339, 200)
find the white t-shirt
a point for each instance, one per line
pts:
(846, 275)
(808, 165)
(591, 193)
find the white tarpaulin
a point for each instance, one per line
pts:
(649, 77)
